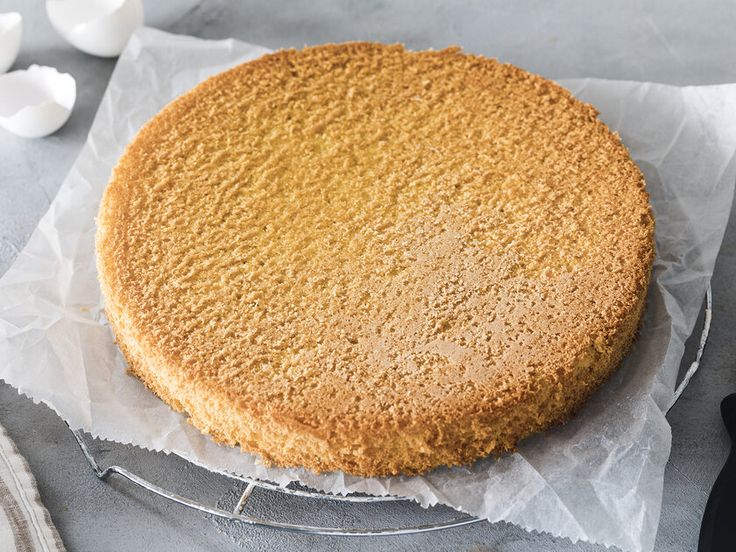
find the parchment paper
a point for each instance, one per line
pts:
(599, 478)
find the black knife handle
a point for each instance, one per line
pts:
(718, 530)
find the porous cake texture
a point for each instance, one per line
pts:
(356, 257)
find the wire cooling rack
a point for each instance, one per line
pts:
(251, 485)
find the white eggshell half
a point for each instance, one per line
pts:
(98, 27)
(11, 28)
(36, 101)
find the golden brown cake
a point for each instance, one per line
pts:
(356, 257)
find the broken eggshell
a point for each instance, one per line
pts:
(98, 27)
(36, 101)
(11, 28)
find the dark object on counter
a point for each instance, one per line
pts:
(718, 530)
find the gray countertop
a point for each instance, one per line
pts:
(677, 42)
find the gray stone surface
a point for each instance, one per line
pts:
(678, 42)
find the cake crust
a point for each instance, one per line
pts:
(356, 257)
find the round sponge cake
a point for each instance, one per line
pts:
(356, 257)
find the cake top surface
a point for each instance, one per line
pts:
(366, 236)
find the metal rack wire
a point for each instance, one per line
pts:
(237, 514)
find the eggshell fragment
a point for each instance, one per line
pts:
(37, 101)
(11, 29)
(98, 27)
